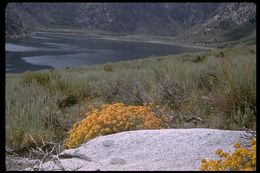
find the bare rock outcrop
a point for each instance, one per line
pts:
(167, 149)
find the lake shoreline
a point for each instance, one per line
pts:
(88, 49)
(135, 38)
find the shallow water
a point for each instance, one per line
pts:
(45, 50)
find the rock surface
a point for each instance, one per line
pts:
(167, 149)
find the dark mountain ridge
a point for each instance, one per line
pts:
(169, 19)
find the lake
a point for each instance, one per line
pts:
(45, 50)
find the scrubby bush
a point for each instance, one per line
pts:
(170, 93)
(199, 58)
(108, 67)
(19, 139)
(56, 82)
(75, 92)
(68, 101)
(42, 78)
(242, 159)
(113, 118)
(125, 91)
(237, 88)
(29, 109)
(206, 81)
(133, 93)
(109, 90)
(252, 51)
(222, 55)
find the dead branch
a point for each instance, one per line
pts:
(48, 151)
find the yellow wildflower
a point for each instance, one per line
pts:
(242, 159)
(109, 118)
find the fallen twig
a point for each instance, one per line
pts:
(49, 151)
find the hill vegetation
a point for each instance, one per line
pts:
(212, 89)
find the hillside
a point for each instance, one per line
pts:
(22, 18)
(170, 19)
(229, 22)
(209, 89)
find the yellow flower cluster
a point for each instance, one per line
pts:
(113, 118)
(242, 159)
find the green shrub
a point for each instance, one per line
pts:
(170, 93)
(222, 55)
(236, 95)
(125, 91)
(43, 78)
(19, 140)
(252, 51)
(68, 101)
(199, 58)
(108, 67)
(29, 108)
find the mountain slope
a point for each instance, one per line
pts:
(22, 18)
(173, 19)
(230, 21)
(149, 18)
